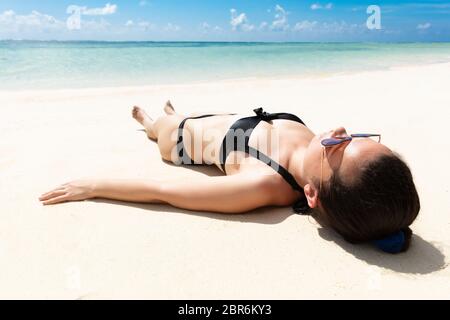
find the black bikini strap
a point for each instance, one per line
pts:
(182, 154)
(266, 116)
(246, 126)
(275, 166)
(301, 205)
(242, 128)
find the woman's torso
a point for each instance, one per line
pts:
(277, 139)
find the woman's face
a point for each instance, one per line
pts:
(345, 159)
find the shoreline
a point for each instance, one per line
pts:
(230, 81)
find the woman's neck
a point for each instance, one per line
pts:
(295, 166)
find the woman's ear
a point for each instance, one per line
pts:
(312, 195)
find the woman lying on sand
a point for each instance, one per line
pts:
(351, 183)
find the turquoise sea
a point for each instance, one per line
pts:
(48, 65)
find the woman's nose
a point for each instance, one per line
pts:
(340, 132)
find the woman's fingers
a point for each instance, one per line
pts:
(52, 194)
(60, 188)
(59, 199)
(73, 191)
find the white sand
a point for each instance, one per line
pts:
(101, 249)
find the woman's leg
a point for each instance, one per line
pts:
(162, 130)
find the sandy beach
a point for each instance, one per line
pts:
(104, 249)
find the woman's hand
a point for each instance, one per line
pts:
(73, 191)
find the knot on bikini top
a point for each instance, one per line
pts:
(263, 115)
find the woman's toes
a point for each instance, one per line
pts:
(169, 109)
(138, 114)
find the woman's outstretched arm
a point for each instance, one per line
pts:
(124, 190)
(226, 194)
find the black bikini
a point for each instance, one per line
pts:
(237, 139)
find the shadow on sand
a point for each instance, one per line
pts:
(423, 257)
(261, 216)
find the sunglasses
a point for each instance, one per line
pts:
(331, 142)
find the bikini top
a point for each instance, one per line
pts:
(237, 139)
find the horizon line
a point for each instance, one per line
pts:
(203, 41)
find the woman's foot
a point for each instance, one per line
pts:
(169, 109)
(143, 118)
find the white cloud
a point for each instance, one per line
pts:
(106, 10)
(305, 25)
(172, 27)
(145, 25)
(37, 25)
(281, 20)
(424, 26)
(263, 26)
(11, 21)
(341, 27)
(318, 6)
(328, 28)
(205, 27)
(95, 25)
(239, 21)
(142, 25)
(7, 15)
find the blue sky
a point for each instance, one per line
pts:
(224, 20)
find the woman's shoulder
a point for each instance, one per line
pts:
(280, 191)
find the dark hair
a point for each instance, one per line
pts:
(382, 201)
